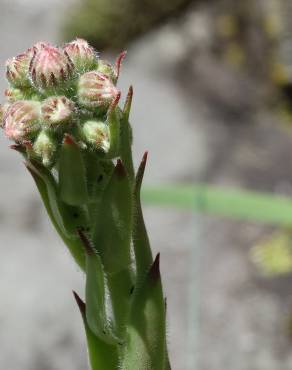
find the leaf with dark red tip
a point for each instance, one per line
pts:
(101, 354)
(126, 137)
(113, 120)
(154, 272)
(146, 327)
(96, 312)
(128, 103)
(141, 243)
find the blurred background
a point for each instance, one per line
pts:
(212, 104)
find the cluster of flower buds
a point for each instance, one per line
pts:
(56, 91)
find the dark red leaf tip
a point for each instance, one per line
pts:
(128, 102)
(120, 169)
(79, 302)
(18, 147)
(145, 157)
(116, 100)
(27, 144)
(68, 140)
(130, 92)
(154, 272)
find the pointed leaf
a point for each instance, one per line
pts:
(112, 233)
(113, 120)
(96, 313)
(145, 342)
(126, 137)
(141, 243)
(101, 354)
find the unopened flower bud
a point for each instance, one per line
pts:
(82, 55)
(3, 109)
(45, 147)
(112, 71)
(57, 110)
(17, 70)
(50, 67)
(14, 94)
(37, 47)
(96, 90)
(96, 133)
(21, 120)
(107, 69)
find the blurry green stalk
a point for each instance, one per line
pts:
(234, 203)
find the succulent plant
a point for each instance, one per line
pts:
(63, 116)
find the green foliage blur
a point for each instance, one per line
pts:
(114, 23)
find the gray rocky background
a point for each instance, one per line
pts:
(199, 122)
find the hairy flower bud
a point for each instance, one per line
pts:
(112, 71)
(107, 69)
(17, 70)
(21, 120)
(57, 110)
(45, 147)
(82, 55)
(96, 133)
(14, 94)
(37, 47)
(3, 109)
(50, 67)
(96, 90)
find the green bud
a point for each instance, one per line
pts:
(111, 71)
(106, 68)
(45, 147)
(14, 94)
(96, 133)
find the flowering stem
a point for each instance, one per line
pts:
(64, 117)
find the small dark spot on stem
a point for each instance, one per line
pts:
(132, 289)
(75, 215)
(100, 178)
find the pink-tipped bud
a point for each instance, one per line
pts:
(3, 109)
(21, 120)
(17, 70)
(37, 47)
(50, 67)
(82, 55)
(57, 110)
(96, 133)
(96, 90)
